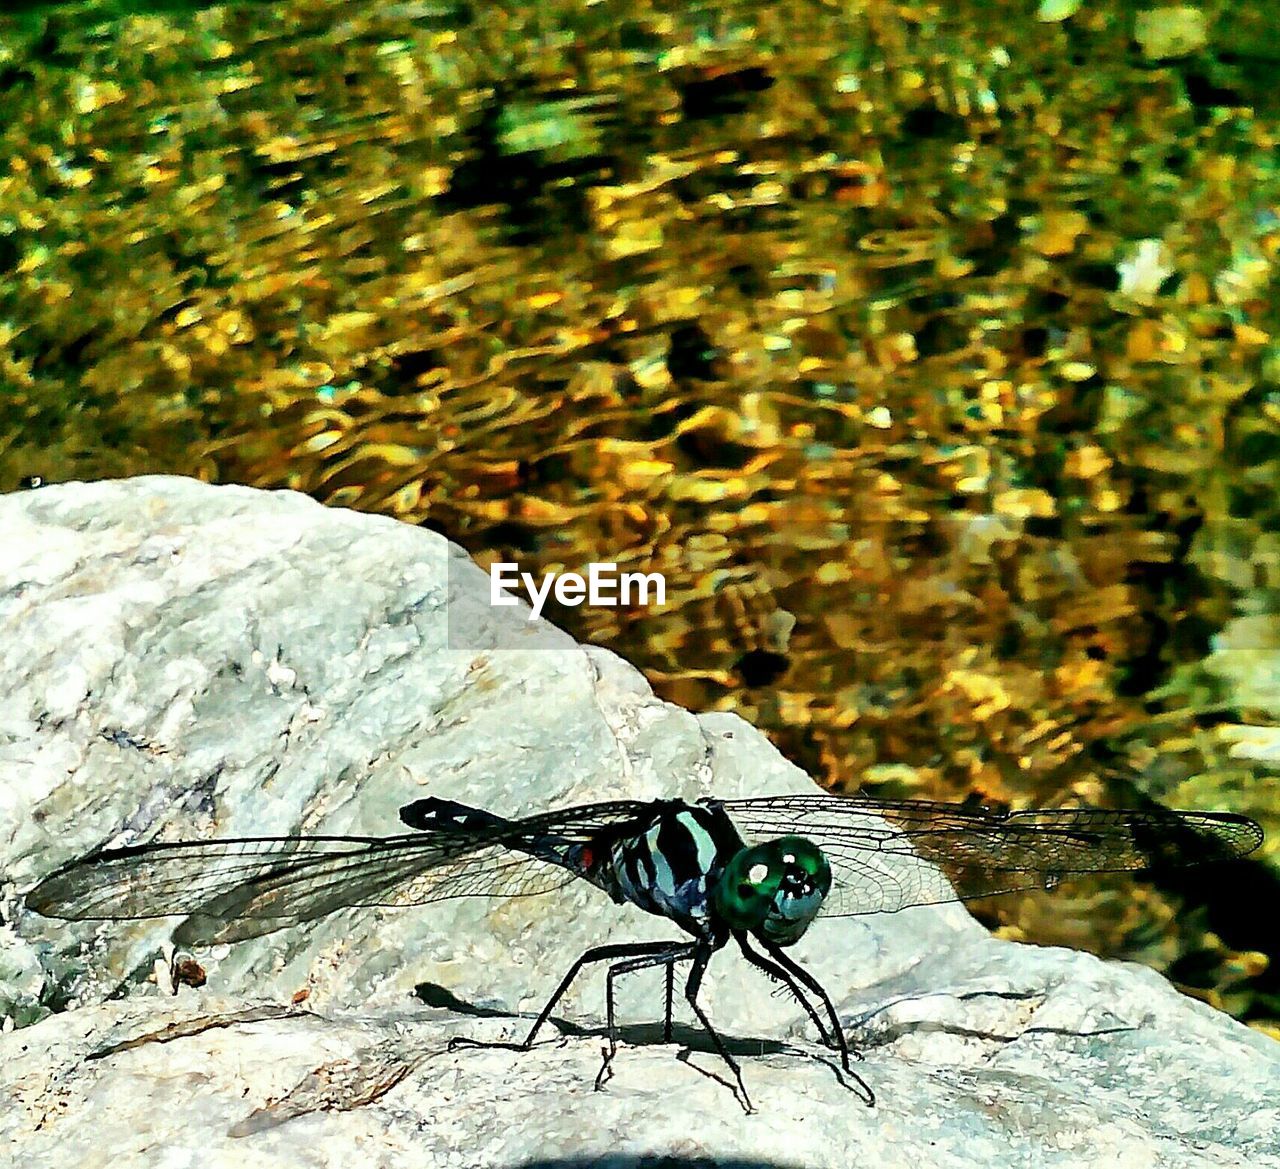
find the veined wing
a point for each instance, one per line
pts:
(242, 888)
(888, 855)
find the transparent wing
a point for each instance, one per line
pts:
(888, 855)
(234, 889)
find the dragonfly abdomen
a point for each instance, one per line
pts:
(481, 827)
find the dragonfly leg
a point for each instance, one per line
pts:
(779, 955)
(667, 955)
(780, 974)
(791, 972)
(671, 987)
(701, 957)
(598, 954)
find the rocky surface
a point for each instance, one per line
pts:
(931, 356)
(186, 661)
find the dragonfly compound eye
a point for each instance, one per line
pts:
(775, 889)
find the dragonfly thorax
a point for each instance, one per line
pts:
(774, 890)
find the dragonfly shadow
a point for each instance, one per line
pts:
(432, 994)
(650, 1161)
(685, 1035)
(636, 1034)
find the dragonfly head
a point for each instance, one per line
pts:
(774, 890)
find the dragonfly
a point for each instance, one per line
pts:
(755, 871)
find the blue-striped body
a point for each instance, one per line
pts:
(670, 868)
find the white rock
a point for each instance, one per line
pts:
(188, 661)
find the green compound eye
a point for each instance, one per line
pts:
(774, 889)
